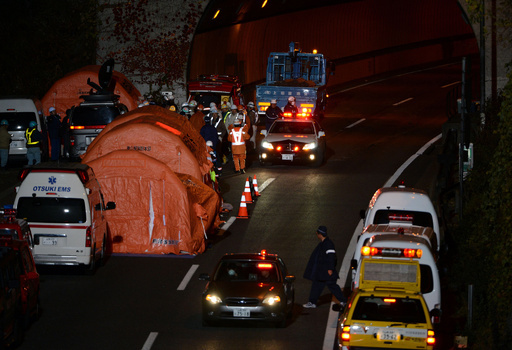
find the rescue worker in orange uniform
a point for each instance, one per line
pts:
(237, 136)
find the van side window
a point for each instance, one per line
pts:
(427, 281)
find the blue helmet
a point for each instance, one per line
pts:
(4, 122)
(32, 124)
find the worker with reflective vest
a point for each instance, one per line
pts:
(237, 136)
(34, 138)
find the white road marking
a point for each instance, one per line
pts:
(403, 101)
(149, 342)
(447, 85)
(332, 320)
(187, 277)
(265, 184)
(354, 124)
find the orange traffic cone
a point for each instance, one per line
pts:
(247, 192)
(255, 187)
(242, 212)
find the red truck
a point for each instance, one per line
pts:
(215, 88)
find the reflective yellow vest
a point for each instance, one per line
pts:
(28, 136)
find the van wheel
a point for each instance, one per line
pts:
(103, 253)
(91, 268)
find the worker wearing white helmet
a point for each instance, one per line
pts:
(291, 107)
(185, 109)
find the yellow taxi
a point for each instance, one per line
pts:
(387, 311)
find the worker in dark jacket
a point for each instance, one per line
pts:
(321, 270)
(272, 113)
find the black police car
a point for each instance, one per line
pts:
(249, 287)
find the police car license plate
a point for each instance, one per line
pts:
(241, 312)
(49, 241)
(287, 156)
(388, 334)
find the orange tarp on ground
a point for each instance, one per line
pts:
(150, 139)
(65, 93)
(155, 213)
(159, 115)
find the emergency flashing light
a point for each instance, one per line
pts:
(296, 148)
(389, 300)
(391, 252)
(400, 217)
(264, 266)
(263, 252)
(82, 127)
(279, 148)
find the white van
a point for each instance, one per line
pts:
(65, 210)
(19, 112)
(402, 204)
(407, 247)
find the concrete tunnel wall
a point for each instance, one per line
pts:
(363, 38)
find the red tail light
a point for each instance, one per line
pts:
(88, 237)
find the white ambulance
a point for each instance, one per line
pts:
(65, 210)
(406, 247)
(427, 233)
(405, 204)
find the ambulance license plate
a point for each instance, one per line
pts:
(388, 334)
(287, 156)
(241, 312)
(49, 240)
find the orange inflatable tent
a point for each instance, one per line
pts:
(173, 122)
(66, 92)
(156, 212)
(151, 139)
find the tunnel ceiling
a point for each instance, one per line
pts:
(231, 12)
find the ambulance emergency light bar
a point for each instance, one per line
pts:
(391, 252)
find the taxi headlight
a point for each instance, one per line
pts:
(311, 145)
(212, 298)
(267, 145)
(271, 300)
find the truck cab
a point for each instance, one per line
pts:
(298, 74)
(216, 88)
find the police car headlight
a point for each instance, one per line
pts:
(308, 146)
(271, 300)
(267, 145)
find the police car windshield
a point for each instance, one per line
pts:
(48, 209)
(94, 115)
(18, 121)
(389, 309)
(286, 127)
(247, 271)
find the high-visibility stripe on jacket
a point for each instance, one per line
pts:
(237, 137)
(28, 136)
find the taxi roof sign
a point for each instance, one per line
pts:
(390, 274)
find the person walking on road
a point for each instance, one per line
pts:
(5, 141)
(321, 270)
